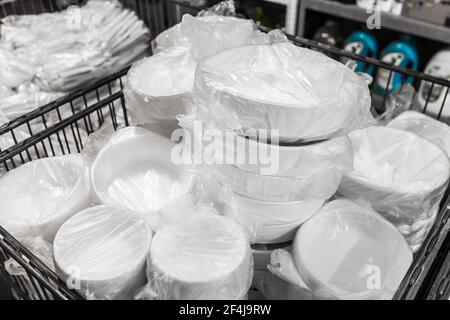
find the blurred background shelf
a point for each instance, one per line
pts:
(389, 21)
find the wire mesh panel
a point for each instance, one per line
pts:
(63, 126)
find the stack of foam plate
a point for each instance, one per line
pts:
(401, 174)
(289, 106)
(205, 257)
(102, 252)
(272, 197)
(300, 92)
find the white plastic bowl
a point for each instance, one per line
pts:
(271, 222)
(322, 184)
(348, 252)
(134, 170)
(37, 197)
(157, 88)
(300, 92)
(425, 126)
(104, 250)
(402, 175)
(207, 257)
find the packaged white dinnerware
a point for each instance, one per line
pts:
(346, 251)
(402, 175)
(300, 92)
(157, 89)
(102, 251)
(319, 185)
(205, 257)
(269, 221)
(134, 170)
(431, 129)
(158, 86)
(39, 196)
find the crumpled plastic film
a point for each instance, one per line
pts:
(206, 257)
(133, 168)
(223, 8)
(101, 252)
(39, 196)
(206, 36)
(346, 251)
(431, 129)
(402, 99)
(402, 175)
(41, 248)
(300, 92)
(157, 88)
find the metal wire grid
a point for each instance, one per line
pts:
(60, 131)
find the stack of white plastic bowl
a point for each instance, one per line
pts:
(309, 99)
(159, 86)
(133, 170)
(102, 252)
(205, 257)
(401, 174)
(39, 196)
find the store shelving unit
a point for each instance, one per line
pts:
(390, 21)
(291, 13)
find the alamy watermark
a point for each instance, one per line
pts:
(212, 146)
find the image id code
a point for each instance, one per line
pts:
(225, 310)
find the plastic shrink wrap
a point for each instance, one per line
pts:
(269, 221)
(300, 92)
(101, 252)
(402, 175)
(39, 196)
(205, 257)
(133, 169)
(158, 87)
(346, 251)
(425, 126)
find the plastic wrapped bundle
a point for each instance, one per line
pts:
(300, 92)
(134, 170)
(39, 196)
(346, 251)
(402, 175)
(206, 257)
(270, 222)
(207, 35)
(425, 126)
(102, 252)
(157, 88)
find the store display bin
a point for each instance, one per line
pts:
(104, 103)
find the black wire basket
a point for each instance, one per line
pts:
(63, 122)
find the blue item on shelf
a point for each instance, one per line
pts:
(364, 44)
(401, 53)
